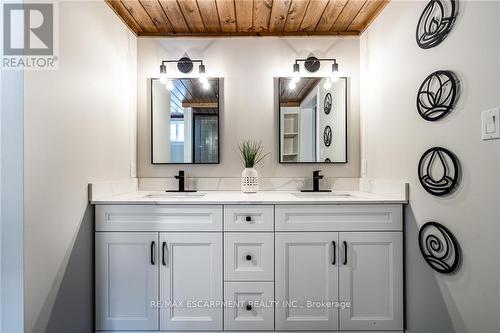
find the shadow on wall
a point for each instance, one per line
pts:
(425, 300)
(73, 309)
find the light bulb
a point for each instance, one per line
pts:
(335, 72)
(203, 80)
(205, 85)
(328, 84)
(202, 74)
(163, 74)
(296, 73)
(292, 85)
(170, 85)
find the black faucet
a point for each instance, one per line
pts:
(316, 178)
(181, 179)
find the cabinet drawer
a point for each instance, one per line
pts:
(249, 218)
(249, 306)
(339, 217)
(158, 218)
(248, 256)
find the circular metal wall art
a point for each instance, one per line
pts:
(327, 104)
(437, 95)
(312, 64)
(439, 247)
(438, 171)
(436, 22)
(327, 136)
(185, 65)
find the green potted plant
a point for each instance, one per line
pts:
(252, 152)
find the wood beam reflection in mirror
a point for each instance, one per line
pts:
(293, 97)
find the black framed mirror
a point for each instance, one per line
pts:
(312, 120)
(185, 121)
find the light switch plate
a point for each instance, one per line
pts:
(490, 124)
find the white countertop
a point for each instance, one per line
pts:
(237, 197)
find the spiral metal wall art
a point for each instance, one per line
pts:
(439, 247)
(327, 104)
(438, 171)
(437, 95)
(327, 136)
(436, 22)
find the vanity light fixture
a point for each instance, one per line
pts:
(312, 65)
(184, 65)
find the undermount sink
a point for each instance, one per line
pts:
(178, 195)
(322, 195)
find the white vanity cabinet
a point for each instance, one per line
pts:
(126, 276)
(249, 267)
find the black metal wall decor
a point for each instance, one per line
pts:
(327, 104)
(438, 171)
(327, 136)
(439, 247)
(437, 95)
(312, 64)
(185, 65)
(436, 22)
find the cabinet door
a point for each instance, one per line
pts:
(371, 280)
(191, 281)
(306, 271)
(126, 270)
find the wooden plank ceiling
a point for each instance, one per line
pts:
(247, 17)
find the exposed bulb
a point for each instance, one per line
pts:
(205, 85)
(203, 80)
(335, 72)
(163, 74)
(292, 84)
(328, 84)
(296, 73)
(170, 85)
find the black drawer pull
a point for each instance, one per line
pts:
(248, 219)
(334, 253)
(152, 252)
(248, 257)
(249, 307)
(164, 247)
(345, 253)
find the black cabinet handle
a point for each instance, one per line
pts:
(248, 219)
(334, 253)
(248, 257)
(345, 253)
(249, 307)
(164, 246)
(152, 252)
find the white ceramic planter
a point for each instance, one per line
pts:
(249, 180)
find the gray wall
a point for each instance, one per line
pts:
(395, 136)
(79, 127)
(248, 110)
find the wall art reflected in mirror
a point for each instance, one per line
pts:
(185, 121)
(313, 120)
